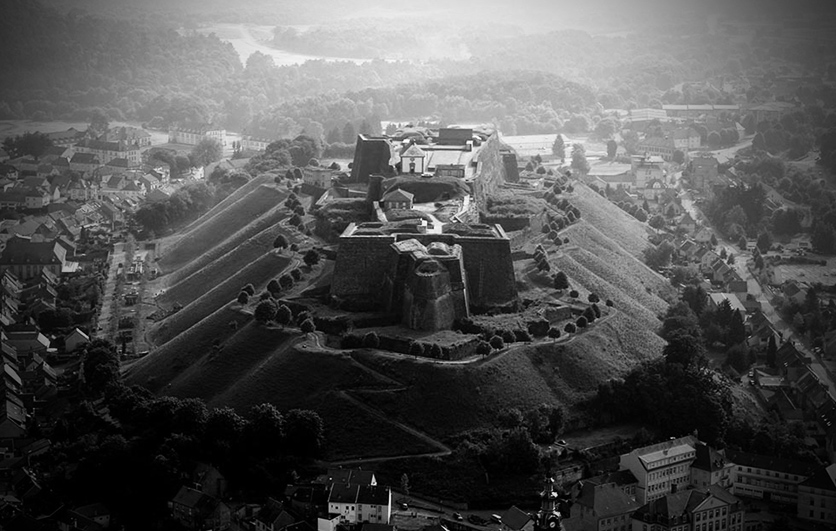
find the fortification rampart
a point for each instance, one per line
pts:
(366, 268)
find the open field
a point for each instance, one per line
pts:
(258, 272)
(213, 229)
(812, 274)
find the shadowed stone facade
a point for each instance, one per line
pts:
(372, 254)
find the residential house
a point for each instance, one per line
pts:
(735, 283)
(318, 176)
(654, 189)
(602, 507)
(193, 136)
(661, 468)
(711, 468)
(661, 147)
(129, 135)
(360, 503)
(703, 235)
(703, 172)
(398, 199)
(84, 162)
(794, 291)
(686, 139)
(252, 143)
(12, 411)
(348, 475)
(75, 339)
(687, 224)
(208, 479)
(614, 175)
(149, 182)
(761, 334)
(156, 196)
(515, 519)
(647, 168)
(35, 199)
(715, 300)
(623, 479)
(817, 496)
(273, 517)
(108, 151)
(26, 258)
(712, 508)
(14, 198)
(767, 477)
(65, 138)
(196, 511)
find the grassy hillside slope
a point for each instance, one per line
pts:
(258, 272)
(220, 224)
(256, 364)
(220, 266)
(446, 399)
(622, 228)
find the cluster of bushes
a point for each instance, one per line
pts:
(416, 348)
(541, 259)
(335, 216)
(513, 206)
(633, 209)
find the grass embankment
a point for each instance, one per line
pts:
(220, 267)
(623, 229)
(256, 364)
(220, 226)
(258, 272)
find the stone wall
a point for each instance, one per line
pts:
(362, 263)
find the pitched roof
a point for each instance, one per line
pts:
(708, 458)
(413, 151)
(606, 500)
(768, 462)
(274, 514)
(515, 518)
(398, 195)
(195, 499)
(343, 493)
(85, 158)
(349, 475)
(373, 495)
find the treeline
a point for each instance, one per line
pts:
(126, 448)
(519, 102)
(186, 203)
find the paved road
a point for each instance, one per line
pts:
(109, 303)
(742, 262)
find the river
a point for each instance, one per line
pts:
(249, 38)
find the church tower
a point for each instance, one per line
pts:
(548, 517)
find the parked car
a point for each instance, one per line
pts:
(457, 516)
(404, 506)
(495, 518)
